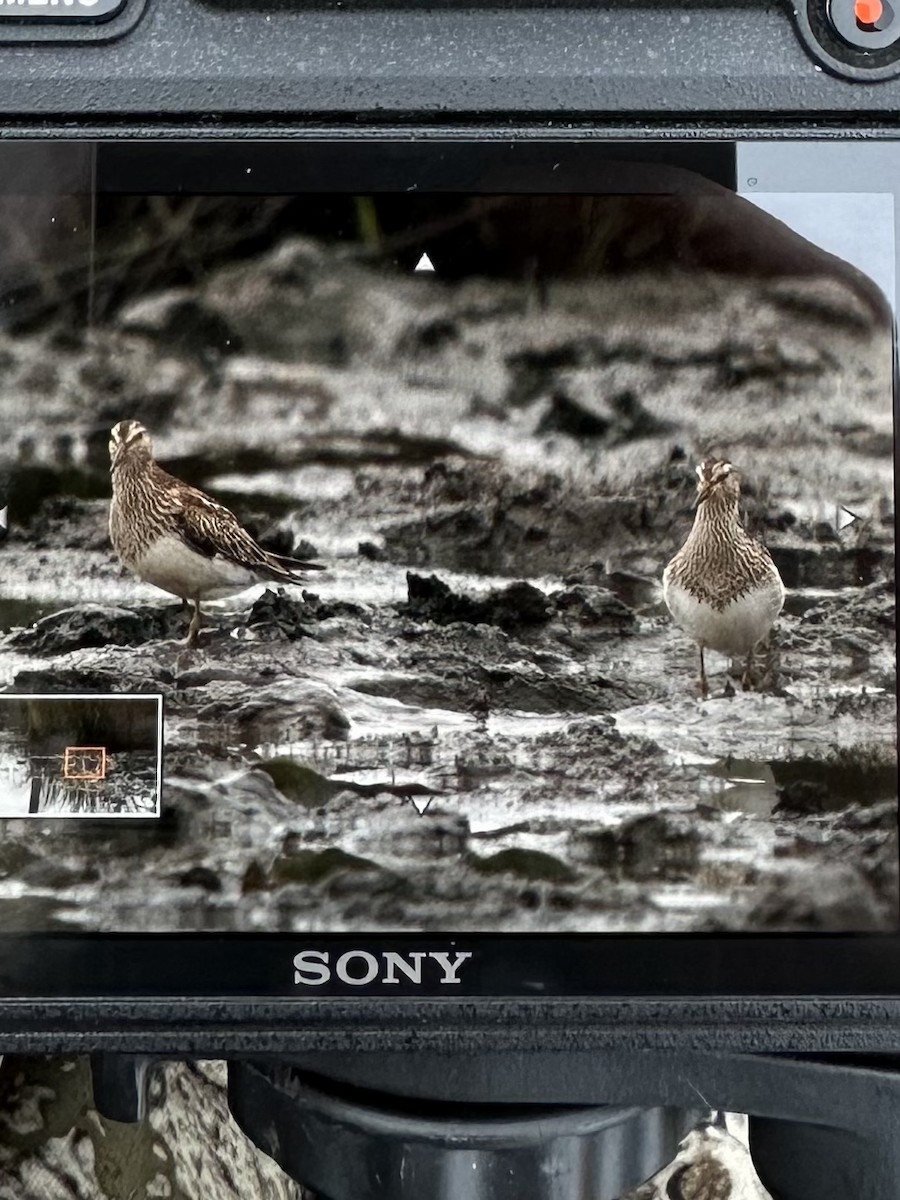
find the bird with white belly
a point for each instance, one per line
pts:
(179, 539)
(722, 587)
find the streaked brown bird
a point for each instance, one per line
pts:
(179, 539)
(722, 586)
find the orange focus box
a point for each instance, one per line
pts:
(84, 762)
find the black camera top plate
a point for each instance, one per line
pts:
(188, 62)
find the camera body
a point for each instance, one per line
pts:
(456, 94)
(461, 91)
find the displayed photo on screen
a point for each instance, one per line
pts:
(506, 563)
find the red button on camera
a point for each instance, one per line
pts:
(867, 25)
(868, 12)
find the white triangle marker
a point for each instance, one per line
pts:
(421, 803)
(424, 264)
(845, 517)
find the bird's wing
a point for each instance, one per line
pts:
(212, 529)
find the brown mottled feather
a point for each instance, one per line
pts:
(720, 561)
(211, 529)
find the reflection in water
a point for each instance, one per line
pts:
(864, 775)
(743, 785)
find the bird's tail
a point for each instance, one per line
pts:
(295, 564)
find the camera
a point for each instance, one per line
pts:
(447, 631)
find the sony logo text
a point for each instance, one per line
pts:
(313, 968)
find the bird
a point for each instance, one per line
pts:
(179, 539)
(722, 587)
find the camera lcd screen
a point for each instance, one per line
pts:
(505, 561)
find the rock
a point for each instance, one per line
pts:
(853, 778)
(313, 866)
(513, 607)
(863, 608)
(182, 323)
(827, 897)
(105, 675)
(639, 593)
(612, 419)
(526, 864)
(125, 378)
(278, 615)
(301, 783)
(199, 677)
(880, 816)
(596, 608)
(93, 625)
(441, 836)
(533, 371)
(774, 359)
(290, 304)
(803, 796)
(479, 517)
(15, 857)
(292, 709)
(281, 615)
(249, 381)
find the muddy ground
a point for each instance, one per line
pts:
(481, 717)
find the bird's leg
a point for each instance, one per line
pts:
(194, 630)
(770, 664)
(704, 685)
(747, 677)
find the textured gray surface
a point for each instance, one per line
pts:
(236, 1027)
(347, 60)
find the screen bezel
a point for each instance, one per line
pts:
(109, 969)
